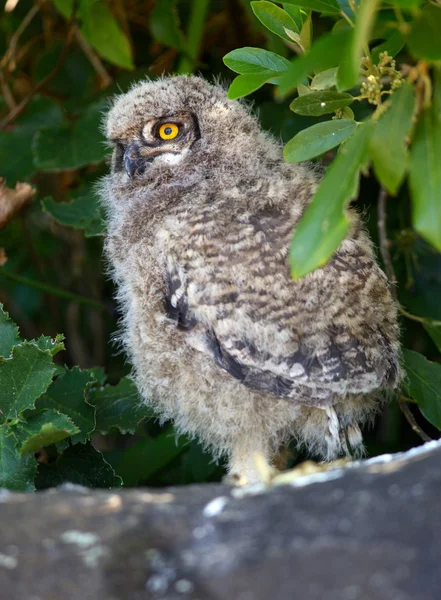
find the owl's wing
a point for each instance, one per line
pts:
(331, 333)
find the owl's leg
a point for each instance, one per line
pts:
(247, 461)
(339, 440)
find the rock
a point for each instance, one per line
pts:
(368, 531)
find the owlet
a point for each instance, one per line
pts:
(201, 210)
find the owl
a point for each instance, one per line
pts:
(201, 208)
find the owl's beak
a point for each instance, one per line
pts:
(133, 161)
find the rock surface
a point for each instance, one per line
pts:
(369, 531)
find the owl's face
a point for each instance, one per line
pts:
(177, 123)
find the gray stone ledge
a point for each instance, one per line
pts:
(368, 531)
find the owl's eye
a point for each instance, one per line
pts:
(168, 131)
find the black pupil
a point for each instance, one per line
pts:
(168, 130)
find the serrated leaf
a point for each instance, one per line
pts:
(255, 61)
(319, 138)
(350, 65)
(104, 34)
(67, 395)
(53, 345)
(423, 40)
(323, 6)
(17, 472)
(81, 213)
(275, 19)
(424, 385)
(164, 24)
(80, 464)
(325, 79)
(23, 378)
(43, 429)
(434, 330)
(325, 53)
(325, 222)
(146, 457)
(119, 407)
(425, 177)
(243, 85)
(71, 146)
(392, 45)
(315, 104)
(8, 333)
(388, 149)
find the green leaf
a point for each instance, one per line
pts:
(164, 24)
(350, 65)
(71, 146)
(325, 222)
(243, 85)
(325, 79)
(65, 7)
(318, 139)
(80, 464)
(275, 19)
(347, 7)
(8, 333)
(54, 346)
(17, 472)
(255, 61)
(424, 37)
(388, 149)
(43, 429)
(23, 378)
(104, 34)
(424, 385)
(324, 54)
(16, 159)
(67, 395)
(82, 213)
(296, 14)
(425, 177)
(392, 45)
(320, 103)
(146, 457)
(323, 6)
(119, 407)
(433, 328)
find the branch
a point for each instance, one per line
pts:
(93, 59)
(411, 420)
(385, 243)
(10, 52)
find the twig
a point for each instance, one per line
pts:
(411, 420)
(93, 59)
(16, 112)
(384, 242)
(6, 91)
(44, 287)
(10, 52)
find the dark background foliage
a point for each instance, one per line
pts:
(72, 405)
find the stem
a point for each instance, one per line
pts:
(411, 420)
(384, 242)
(49, 289)
(198, 13)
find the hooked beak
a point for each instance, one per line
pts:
(133, 162)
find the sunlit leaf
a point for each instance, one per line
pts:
(424, 385)
(425, 177)
(43, 429)
(243, 85)
(324, 6)
(388, 149)
(350, 65)
(325, 222)
(320, 103)
(275, 19)
(255, 61)
(325, 79)
(318, 139)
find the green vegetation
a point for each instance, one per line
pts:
(353, 85)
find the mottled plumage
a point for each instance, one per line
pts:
(221, 339)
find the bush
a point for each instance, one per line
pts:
(367, 84)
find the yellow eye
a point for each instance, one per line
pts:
(168, 131)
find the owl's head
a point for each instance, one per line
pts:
(179, 121)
